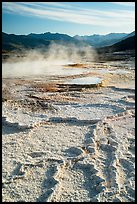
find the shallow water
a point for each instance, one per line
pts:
(116, 71)
(85, 80)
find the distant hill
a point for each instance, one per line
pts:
(52, 36)
(123, 45)
(129, 35)
(102, 40)
(19, 42)
(14, 42)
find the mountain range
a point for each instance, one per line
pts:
(18, 42)
(102, 40)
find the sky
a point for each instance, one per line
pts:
(72, 18)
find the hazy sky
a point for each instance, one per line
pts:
(72, 18)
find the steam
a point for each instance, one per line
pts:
(48, 62)
(70, 53)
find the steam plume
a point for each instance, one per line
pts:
(39, 61)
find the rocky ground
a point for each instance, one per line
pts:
(65, 143)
